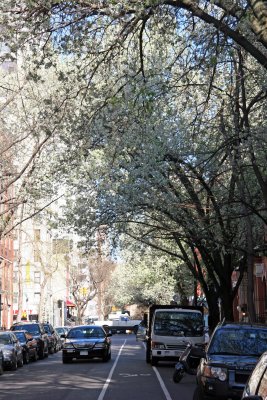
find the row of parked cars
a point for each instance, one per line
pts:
(234, 364)
(28, 341)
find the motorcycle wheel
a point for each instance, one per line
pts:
(177, 376)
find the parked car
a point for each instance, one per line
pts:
(1, 362)
(38, 332)
(230, 357)
(29, 345)
(86, 342)
(59, 344)
(62, 330)
(256, 387)
(52, 338)
(12, 350)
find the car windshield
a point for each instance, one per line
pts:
(5, 339)
(61, 331)
(20, 336)
(84, 333)
(33, 329)
(239, 342)
(47, 328)
(184, 323)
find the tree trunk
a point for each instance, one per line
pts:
(213, 305)
(227, 304)
(250, 265)
(20, 283)
(250, 291)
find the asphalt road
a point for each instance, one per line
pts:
(126, 377)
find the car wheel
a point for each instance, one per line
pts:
(35, 356)
(52, 350)
(41, 353)
(1, 369)
(66, 360)
(26, 358)
(107, 357)
(14, 365)
(46, 354)
(154, 361)
(20, 362)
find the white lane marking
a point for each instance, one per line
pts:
(103, 391)
(163, 387)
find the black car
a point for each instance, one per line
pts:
(86, 342)
(52, 338)
(256, 387)
(12, 351)
(230, 357)
(29, 345)
(1, 362)
(38, 332)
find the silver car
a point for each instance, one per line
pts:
(12, 350)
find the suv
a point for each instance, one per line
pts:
(38, 332)
(231, 355)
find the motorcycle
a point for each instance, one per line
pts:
(188, 361)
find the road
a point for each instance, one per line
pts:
(126, 377)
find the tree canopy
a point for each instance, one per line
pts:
(153, 116)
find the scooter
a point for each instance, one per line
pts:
(188, 361)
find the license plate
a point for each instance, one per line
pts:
(83, 353)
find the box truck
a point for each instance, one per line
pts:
(167, 329)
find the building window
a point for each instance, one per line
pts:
(61, 246)
(15, 276)
(37, 276)
(15, 298)
(37, 297)
(37, 235)
(36, 255)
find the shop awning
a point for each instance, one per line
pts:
(70, 304)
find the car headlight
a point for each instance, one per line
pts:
(68, 346)
(157, 345)
(100, 345)
(7, 353)
(215, 372)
